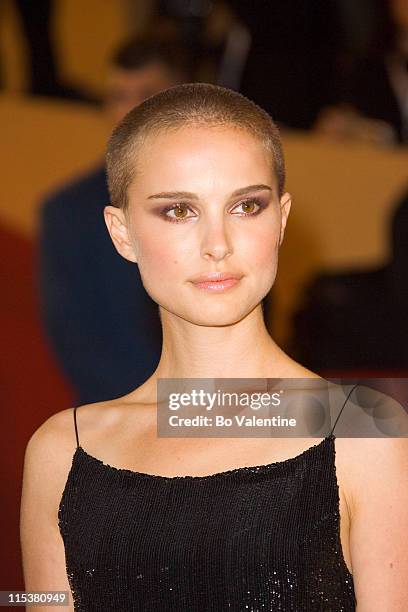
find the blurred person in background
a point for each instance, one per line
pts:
(250, 47)
(373, 100)
(41, 54)
(369, 302)
(216, 38)
(291, 65)
(398, 271)
(102, 326)
(373, 301)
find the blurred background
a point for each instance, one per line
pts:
(76, 323)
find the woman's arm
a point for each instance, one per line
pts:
(379, 523)
(46, 465)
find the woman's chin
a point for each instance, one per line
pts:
(216, 317)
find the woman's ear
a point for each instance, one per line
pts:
(285, 204)
(119, 232)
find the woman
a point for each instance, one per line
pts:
(133, 521)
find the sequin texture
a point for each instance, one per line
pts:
(254, 538)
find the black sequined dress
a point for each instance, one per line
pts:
(250, 539)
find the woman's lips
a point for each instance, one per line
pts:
(222, 285)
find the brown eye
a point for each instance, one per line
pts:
(178, 210)
(248, 207)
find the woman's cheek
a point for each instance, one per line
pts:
(159, 263)
(263, 259)
(262, 248)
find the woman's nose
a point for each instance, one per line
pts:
(216, 243)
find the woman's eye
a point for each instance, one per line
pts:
(250, 208)
(179, 212)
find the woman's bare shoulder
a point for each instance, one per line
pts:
(57, 432)
(49, 453)
(97, 425)
(370, 468)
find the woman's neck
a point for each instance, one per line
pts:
(240, 350)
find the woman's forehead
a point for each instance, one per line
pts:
(203, 149)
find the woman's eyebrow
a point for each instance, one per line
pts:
(194, 196)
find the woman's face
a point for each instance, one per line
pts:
(230, 221)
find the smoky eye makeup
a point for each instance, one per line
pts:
(256, 205)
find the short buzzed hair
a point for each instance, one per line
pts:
(185, 105)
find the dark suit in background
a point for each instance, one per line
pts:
(291, 65)
(102, 325)
(371, 92)
(377, 84)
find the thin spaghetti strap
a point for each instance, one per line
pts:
(76, 429)
(338, 416)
